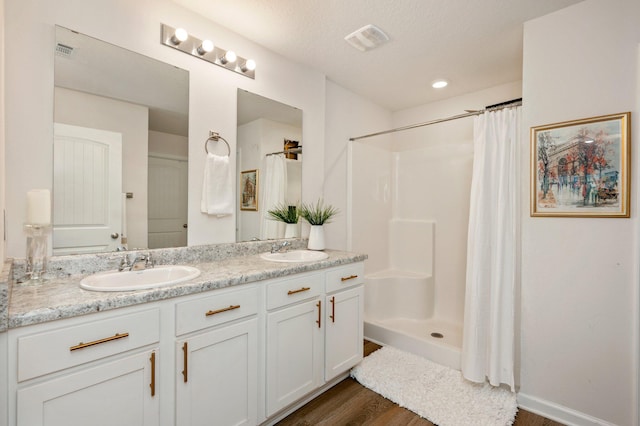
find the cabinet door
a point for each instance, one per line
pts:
(217, 381)
(295, 344)
(120, 392)
(344, 331)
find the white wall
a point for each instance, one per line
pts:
(349, 115)
(2, 140)
(175, 146)
(135, 25)
(4, 368)
(130, 120)
(580, 276)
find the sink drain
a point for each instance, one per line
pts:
(437, 335)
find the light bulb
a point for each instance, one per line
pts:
(249, 65)
(205, 47)
(230, 56)
(179, 36)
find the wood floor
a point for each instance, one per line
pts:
(351, 404)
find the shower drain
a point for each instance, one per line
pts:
(437, 335)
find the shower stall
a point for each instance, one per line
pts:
(409, 208)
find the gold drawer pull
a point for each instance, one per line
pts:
(152, 385)
(300, 290)
(185, 354)
(97, 342)
(319, 321)
(219, 311)
(348, 278)
(333, 309)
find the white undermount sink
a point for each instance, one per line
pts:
(295, 256)
(160, 276)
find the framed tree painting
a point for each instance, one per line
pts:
(580, 168)
(249, 190)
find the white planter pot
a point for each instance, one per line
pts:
(316, 238)
(290, 230)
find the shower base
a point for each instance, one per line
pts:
(421, 337)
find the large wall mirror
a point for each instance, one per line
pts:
(120, 148)
(269, 165)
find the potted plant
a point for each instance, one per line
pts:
(287, 214)
(317, 215)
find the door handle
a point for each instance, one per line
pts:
(115, 235)
(185, 226)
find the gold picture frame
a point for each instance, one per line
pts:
(581, 168)
(249, 190)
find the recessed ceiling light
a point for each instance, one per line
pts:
(439, 84)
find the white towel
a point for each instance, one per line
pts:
(217, 189)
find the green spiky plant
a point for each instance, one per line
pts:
(318, 214)
(286, 214)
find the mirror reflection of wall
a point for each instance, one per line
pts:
(264, 127)
(137, 199)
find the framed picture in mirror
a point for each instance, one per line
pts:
(249, 190)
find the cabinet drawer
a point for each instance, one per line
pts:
(55, 350)
(345, 277)
(292, 290)
(215, 309)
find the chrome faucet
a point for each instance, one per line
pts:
(142, 261)
(276, 248)
(124, 263)
(139, 262)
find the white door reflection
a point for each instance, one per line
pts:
(87, 189)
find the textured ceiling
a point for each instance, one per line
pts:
(475, 44)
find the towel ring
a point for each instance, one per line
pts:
(214, 136)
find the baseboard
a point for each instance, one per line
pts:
(558, 412)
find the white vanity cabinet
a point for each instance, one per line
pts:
(344, 321)
(314, 332)
(241, 355)
(295, 339)
(98, 372)
(217, 366)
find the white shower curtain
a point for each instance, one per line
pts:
(488, 342)
(274, 188)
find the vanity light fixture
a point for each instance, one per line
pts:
(179, 39)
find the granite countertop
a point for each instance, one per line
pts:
(61, 297)
(5, 275)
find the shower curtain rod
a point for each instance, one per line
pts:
(297, 150)
(469, 113)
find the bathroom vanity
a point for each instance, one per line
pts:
(246, 342)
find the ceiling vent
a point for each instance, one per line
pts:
(367, 38)
(64, 50)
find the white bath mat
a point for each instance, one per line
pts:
(437, 393)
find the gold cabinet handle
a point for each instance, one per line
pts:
(99, 341)
(152, 385)
(333, 309)
(219, 311)
(348, 278)
(185, 371)
(300, 290)
(319, 305)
